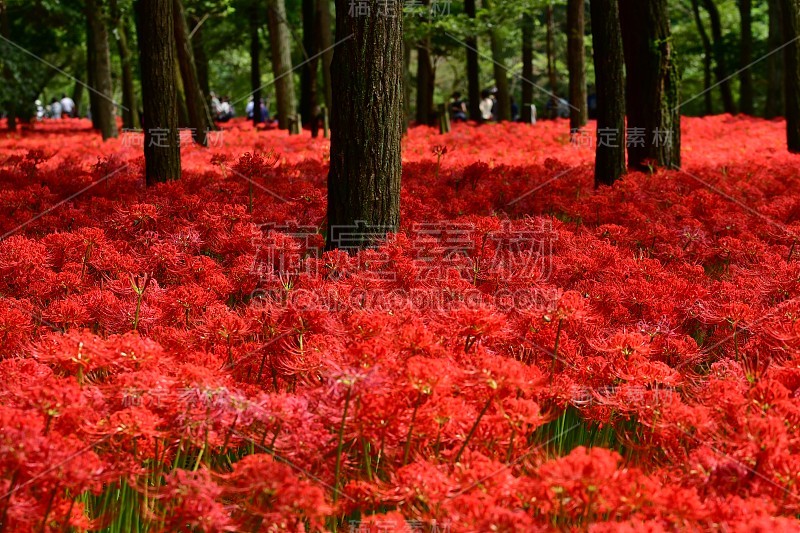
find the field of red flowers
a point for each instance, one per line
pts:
(527, 354)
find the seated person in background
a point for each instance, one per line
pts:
(67, 106)
(487, 103)
(458, 108)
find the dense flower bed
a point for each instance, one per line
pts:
(526, 354)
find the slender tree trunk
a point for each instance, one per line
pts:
(255, 67)
(610, 81)
(326, 47)
(406, 84)
(156, 38)
(367, 126)
(790, 11)
(77, 96)
(576, 59)
(473, 68)
(500, 72)
(774, 101)
(701, 29)
(552, 73)
(106, 117)
(425, 79)
(130, 116)
(527, 67)
(200, 57)
(652, 96)
(308, 78)
(183, 109)
(281, 60)
(720, 68)
(198, 112)
(8, 75)
(91, 68)
(745, 58)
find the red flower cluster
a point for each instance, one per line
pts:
(526, 354)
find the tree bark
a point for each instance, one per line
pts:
(745, 58)
(255, 67)
(652, 85)
(790, 11)
(130, 116)
(720, 68)
(308, 77)
(610, 81)
(106, 118)
(425, 79)
(527, 67)
(473, 68)
(500, 73)
(326, 47)
(576, 58)
(156, 39)
(281, 60)
(8, 75)
(200, 57)
(366, 127)
(707, 53)
(199, 116)
(552, 73)
(774, 102)
(91, 68)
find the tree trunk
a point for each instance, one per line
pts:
(200, 57)
(366, 127)
(281, 60)
(720, 68)
(701, 29)
(652, 84)
(326, 47)
(406, 85)
(91, 67)
(199, 115)
(156, 39)
(527, 67)
(77, 97)
(790, 11)
(130, 116)
(183, 110)
(8, 75)
(500, 72)
(610, 81)
(745, 58)
(308, 76)
(552, 73)
(255, 67)
(576, 58)
(473, 68)
(106, 118)
(425, 79)
(774, 102)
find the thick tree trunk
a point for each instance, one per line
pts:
(745, 58)
(199, 117)
(552, 73)
(325, 46)
(473, 68)
(425, 79)
(790, 11)
(527, 67)
(774, 102)
(130, 116)
(281, 60)
(156, 39)
(106, 118)
(720, 69)
(610, 81)
(576, 58)
(707, 53)
(308, 76)
(652, 84)
(366, 127)
(255, 67)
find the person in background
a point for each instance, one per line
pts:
(39, 110)
(458, 108)
(248, 110)
(215, 105)
(55, 109)
(514, 110)
(67, 106)
(486, 105)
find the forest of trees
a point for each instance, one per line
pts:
(377, 67)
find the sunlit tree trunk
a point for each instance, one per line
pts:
(156, 40)
(366, 125)
(280, 43)
(610, 81)
(576, 62)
